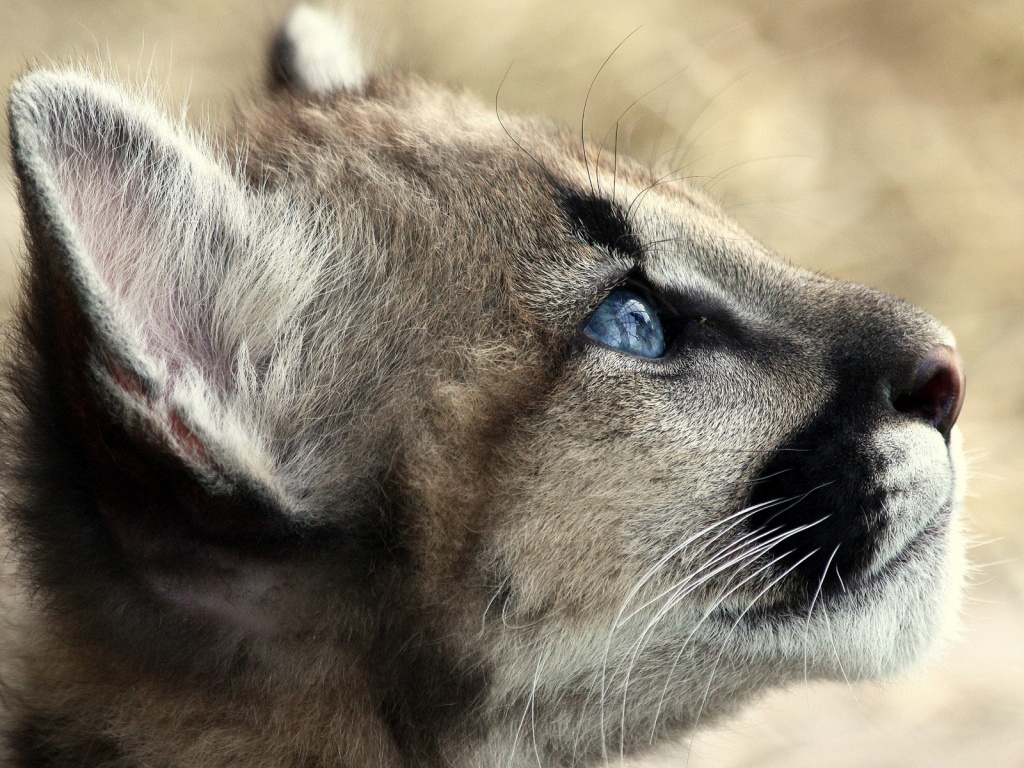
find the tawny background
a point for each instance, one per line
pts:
(875, 140)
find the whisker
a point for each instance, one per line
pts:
(684, 140)
(628, 109)
(751, 555)
(798, 500)
(707, 614)
(720, 562)
(710, 181)
(736, 517)
(721, 598)
(497, 114)
(714, 670)
(733, 520)
(835, 652)
(583, 118)
(615, 160)
(762, 478)
(528, 710)
(703, 51)
(687, 585)
(810, 610)
(487, 608)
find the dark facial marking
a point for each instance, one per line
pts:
(281, 63)
(599, 222)
(821, 478)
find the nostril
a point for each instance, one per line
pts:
(937, 393)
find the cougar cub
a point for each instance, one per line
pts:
(389, 436)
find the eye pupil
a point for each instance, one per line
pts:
(627, 322)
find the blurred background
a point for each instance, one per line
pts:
(874, 140)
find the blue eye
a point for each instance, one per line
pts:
(627, 322)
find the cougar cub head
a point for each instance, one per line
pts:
(387, 435)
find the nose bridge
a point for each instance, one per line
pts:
(892, 337)
(866, 335)
(885, 355)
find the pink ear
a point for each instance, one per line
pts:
(131, 224)
(132, 204)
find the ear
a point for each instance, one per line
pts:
(132, 225)
(315, 52)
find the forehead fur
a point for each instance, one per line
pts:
(436, 172)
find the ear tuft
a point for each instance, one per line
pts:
(316, 52)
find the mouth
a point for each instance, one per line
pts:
(835, 587)
(913, 551)
(834, 591)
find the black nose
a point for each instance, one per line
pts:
(936, 393)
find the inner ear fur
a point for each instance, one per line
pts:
(142, 480)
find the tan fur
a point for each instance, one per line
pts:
(492, 540)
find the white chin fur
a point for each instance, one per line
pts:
(917, 477)
(881, 627)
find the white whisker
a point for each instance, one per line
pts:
(718, 659)
(814, 600)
